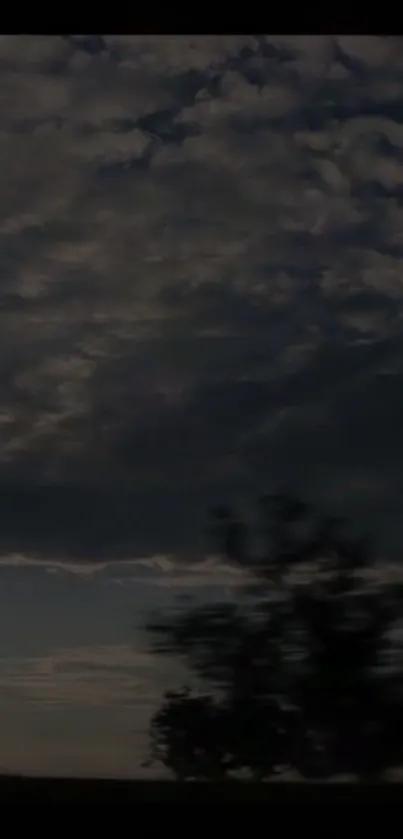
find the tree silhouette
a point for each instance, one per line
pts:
(310, 678)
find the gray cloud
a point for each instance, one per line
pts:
(196, 236)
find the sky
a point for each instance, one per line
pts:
(78, 678)
(201, 297)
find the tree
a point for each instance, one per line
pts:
(309, 679)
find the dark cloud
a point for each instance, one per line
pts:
(201, 279)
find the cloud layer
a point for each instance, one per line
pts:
(101, 697)
(201, 277)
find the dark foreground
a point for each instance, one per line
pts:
(24, 790)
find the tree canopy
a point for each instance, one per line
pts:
(308, 678)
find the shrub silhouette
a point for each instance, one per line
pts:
(310, 678)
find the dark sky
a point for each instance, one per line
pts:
(201, 277)
(201, 296)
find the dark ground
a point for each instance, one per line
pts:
(22, 790)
